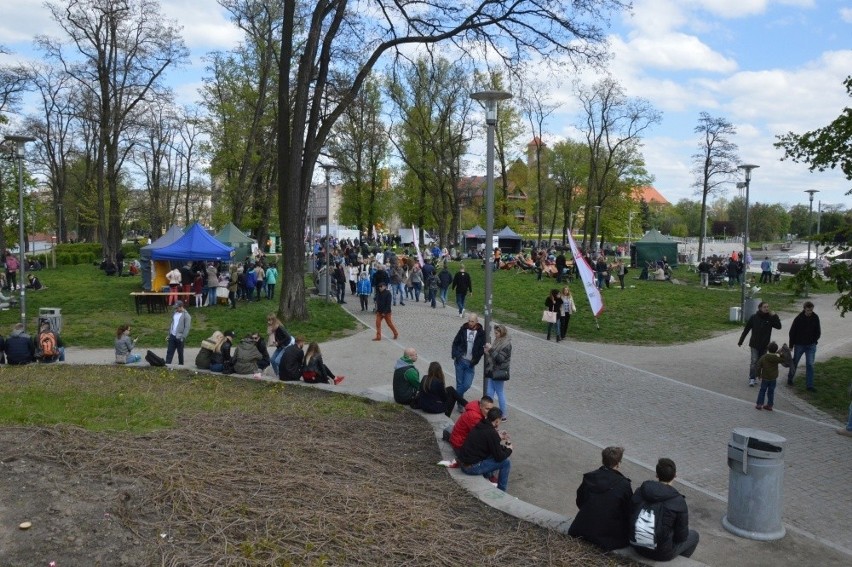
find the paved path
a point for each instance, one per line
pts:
(568, 400)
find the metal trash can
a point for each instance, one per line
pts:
(322, 282)
(750, 307)
(755, 484)
(734, 314)
(52, 315)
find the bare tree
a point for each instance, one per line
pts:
(534, 102)
(329, 48)
(118, 50)
(715, 164)
(613, 125)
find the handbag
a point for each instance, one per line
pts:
(500, 374)
(548, 316)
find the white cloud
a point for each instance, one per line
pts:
(671, 51)
(846, 15)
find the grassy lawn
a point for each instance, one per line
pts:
(831, 379)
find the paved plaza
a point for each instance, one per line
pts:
(568, 400)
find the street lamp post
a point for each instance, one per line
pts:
(630, 215)
(597, 227)
(490, 100)
(327, 168)
(748, 169)
(810, 193)
(20, 143)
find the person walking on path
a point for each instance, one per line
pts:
(444, 281)
(384, 298)
(568, 308)
(804, 335)
(178, 331)
(463, 286)
(498, 358)
(553, 303)
(468, 348)
(767, 371)
(760, 326)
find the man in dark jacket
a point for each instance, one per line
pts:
(463, 286)
(760, 325)
(560, 266)
(383, 311)
(290, 369)
(444, 281)
(468, 348)
(804, 335)
(484, 451)
(19, 346)
(669, 535)
(603, 499)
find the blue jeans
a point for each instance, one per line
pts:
(464, 375)
(397, 288)
(488, 466)
(767, 387)
(275, 360)
(417, 287)
(460, 301)
(444, 291)
(756, 353)
(810, 353)
(270, 290)
(495, 391)
(211, 296)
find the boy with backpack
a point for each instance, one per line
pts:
(48, 345)
(660, 522)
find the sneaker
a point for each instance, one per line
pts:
(767, 408)
(454, 464)
(751, 382)
(338, 379)
(758, 406)
(844, 432)
(493, 479)
(504, 419)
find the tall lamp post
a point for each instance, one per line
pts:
(490, 100)
(20, 143)
(810, 193)
(630, 236)
(597, 247)
(747, 167)
(327, 168)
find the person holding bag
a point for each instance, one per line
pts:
(565, 312)
(553, 303)
(498, 357)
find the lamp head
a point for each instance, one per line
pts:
(810, 193)
(19, 143)
(747, 167)
(490, 100)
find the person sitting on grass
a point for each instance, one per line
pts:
(124, 345)
(34, 283)
(315, 370)
(435, 396)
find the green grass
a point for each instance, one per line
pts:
(94, 305)
(145, 399)
(831, 379)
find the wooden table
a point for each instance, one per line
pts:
(156, 302)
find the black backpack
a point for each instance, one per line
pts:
(645, 527)
(154, 360)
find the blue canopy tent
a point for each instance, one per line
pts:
(145, 252)
(195, 244)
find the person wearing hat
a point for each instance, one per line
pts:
(178, 331)
(384, 298)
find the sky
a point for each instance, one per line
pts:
(767, 66)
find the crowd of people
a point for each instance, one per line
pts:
(200, 282)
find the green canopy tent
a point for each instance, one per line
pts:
(232, 236)
(652, 247)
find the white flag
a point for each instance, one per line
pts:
(587, 275)
(417, 246)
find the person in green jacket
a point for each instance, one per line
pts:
(271, 280)
(406, 378)
(767, 370)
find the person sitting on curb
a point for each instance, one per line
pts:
(603, 499)
(246, 357)
(210, 348)
(406, 378)
(485, 452)
(315, 371)
(124, 345)
(435, 396)
(474, 412)
(665, 538)
(48, 345)
(292, 361)
(19, 346)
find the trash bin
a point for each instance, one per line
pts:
(52, 315)
(734, 314)
(322, 282)
(755, 482)
(750, 307)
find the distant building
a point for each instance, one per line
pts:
(650, 195)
